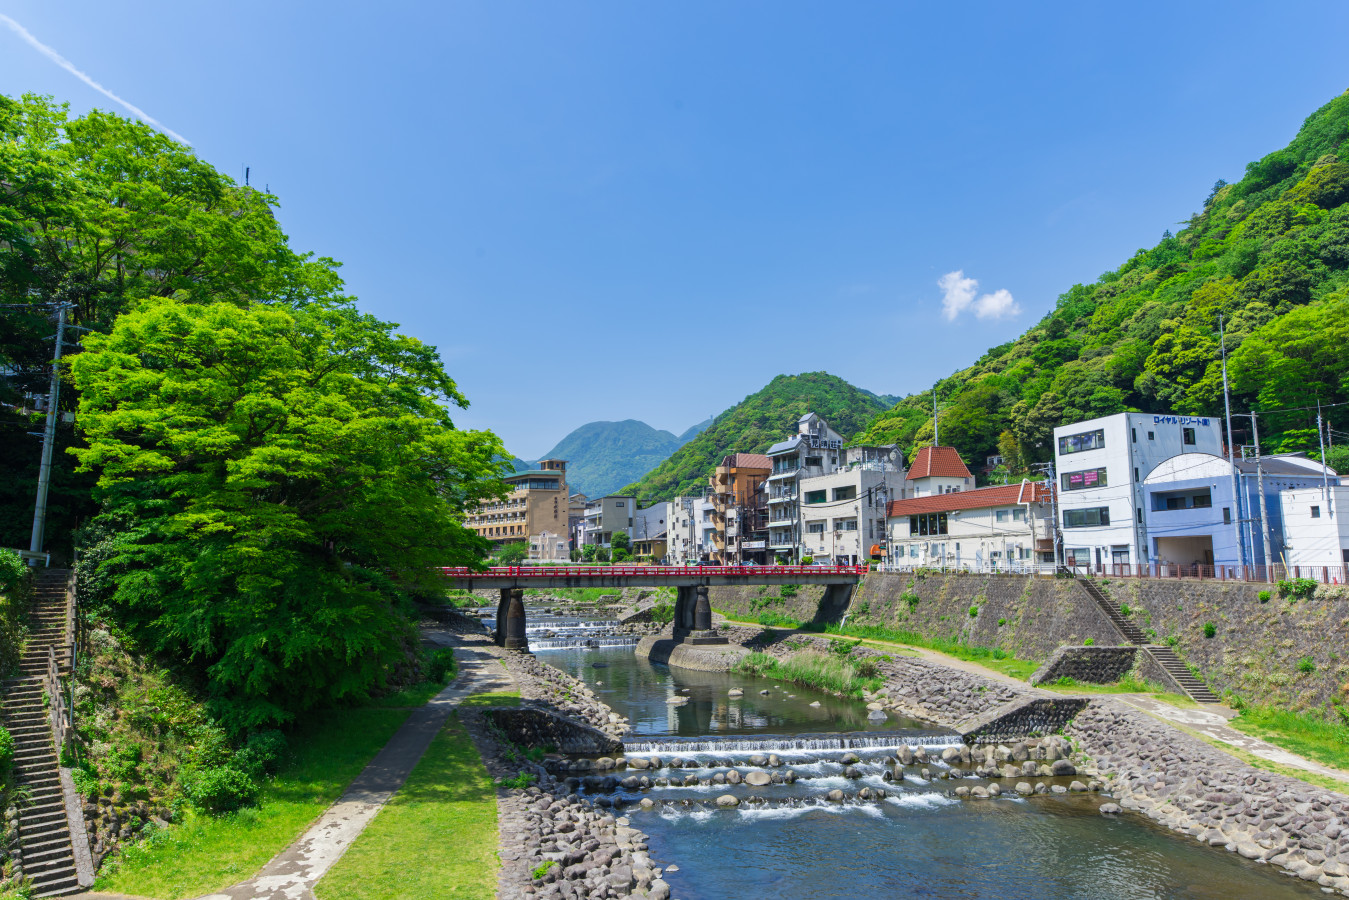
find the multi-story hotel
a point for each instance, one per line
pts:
(538, 502)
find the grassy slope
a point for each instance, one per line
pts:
(437, 837)
(204, 853)
(1302, 733)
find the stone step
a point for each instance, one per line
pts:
(58, 887)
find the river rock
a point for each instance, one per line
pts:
(995, 790)
(790, 777)
(764, 692)
(834, 796)
(735, 692)
(849, 758)
(1023, 787)
(816, 704)
(728, 801)
(719, 778)
(1077, 786)
(637, 762)
(1059, 789)
(774, 760)
(962, 792)
(852, 772)
(876, 707)
(876, 715)
(758, 760)
(604, 763)
(758, 779)
(1063, 767)
(647, 803)
(979, 793)
(677, 701)
(734, 777)
(1110, 809)
(905, 756)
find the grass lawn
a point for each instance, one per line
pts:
(1304, 734)
(437, 837)
(206, 853)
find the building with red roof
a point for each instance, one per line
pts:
(982, 529)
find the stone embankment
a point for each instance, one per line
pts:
(542, 685)
(1196, 789)
(555, 844)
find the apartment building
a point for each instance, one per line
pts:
(689, 531)
(739, 509)
(606, 515)
(814, 450)
(1102, 466)
(537, 502)
(843, 514)
(998, 528)
(1316, 527)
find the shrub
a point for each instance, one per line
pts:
(1002, 621)
(1264, 596)
(1297, 588)
(521, 780)
(777, 620)
(1088, 642)
(663, 613)
(910, 598)
(974, 612)
(440, 665)
(1125, 609)
(86, 782)
(866, 668)
(220, 789)
(262, 753)
(999, 653)
(6, 755)
(1306, 664)
(1210, 629)
(807, 560)
(787, 590)
(543, 868)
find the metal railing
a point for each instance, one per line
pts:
(58, 703)
(1159, 571)
(513, 572)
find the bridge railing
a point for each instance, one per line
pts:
(514, 572)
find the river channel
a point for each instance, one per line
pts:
(919, 841)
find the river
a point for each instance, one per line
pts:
(919, 841)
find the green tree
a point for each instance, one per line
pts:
(588, 552)
(513, 554)
(278, 478)
(621, 541)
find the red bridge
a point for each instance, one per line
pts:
(692, 613)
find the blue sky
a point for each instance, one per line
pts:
(619, 210)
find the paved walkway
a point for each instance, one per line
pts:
(292, 874)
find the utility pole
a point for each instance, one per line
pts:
(936, 441)
(1048, 469)
(1325, 472)
(48, 439)
(1231, 458)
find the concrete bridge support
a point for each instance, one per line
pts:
(515, 638)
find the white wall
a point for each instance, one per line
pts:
(1320, 541)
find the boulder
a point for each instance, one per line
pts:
(735, 692)
(1023, 787)
(849, 758)
(1063, 767)
(734, 777)
(728, 801)
(834, 796)
(758, 760)
(758, 779)
(1109, 809)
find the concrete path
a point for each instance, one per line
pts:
(1212, 723)
(292, 874)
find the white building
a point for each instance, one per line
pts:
(938, 470)
(1001, 528)
(814, 450)
(1102, 466)
(843, 513)
(1316, 530)
(689, 531)
(549, 547)
(650, 522)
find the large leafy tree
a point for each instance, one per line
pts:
(98, 211)
(275, 475)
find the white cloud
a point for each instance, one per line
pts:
(959, 294)
(70, 67)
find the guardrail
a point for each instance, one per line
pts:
(1159, 571)
(58, 710)
(645, 571)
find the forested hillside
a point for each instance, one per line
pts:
(604, 456)
(1268, 254)
(755, 424)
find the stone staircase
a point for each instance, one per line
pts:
(1164, 656)
(44, 831)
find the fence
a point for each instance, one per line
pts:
(513, 572)
(1265, 574)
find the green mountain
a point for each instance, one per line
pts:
(1269, 256)
(604, 456)
(694, 431)
(755, 424)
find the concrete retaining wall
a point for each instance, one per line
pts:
(532, 727)
(1091, 665)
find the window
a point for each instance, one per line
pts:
(618, 504)
(1018, 515)
(1134, 432)
(1187, 435)
(1087, 440)
(848, 492)
(814, 528)
(1001, 515)
(816, 461)
(927, 523)
(849, 525)
(815, 496)
(1316, 512)
(1136, 478)
(1227, 515)
(1086, 518)
(1149, 435)
(1087, 478)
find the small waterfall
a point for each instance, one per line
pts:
(596, 643)
(795, 744)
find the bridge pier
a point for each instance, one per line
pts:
(503, 609)
(693, 617)
(515, 638)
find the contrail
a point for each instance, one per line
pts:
(70, 67)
